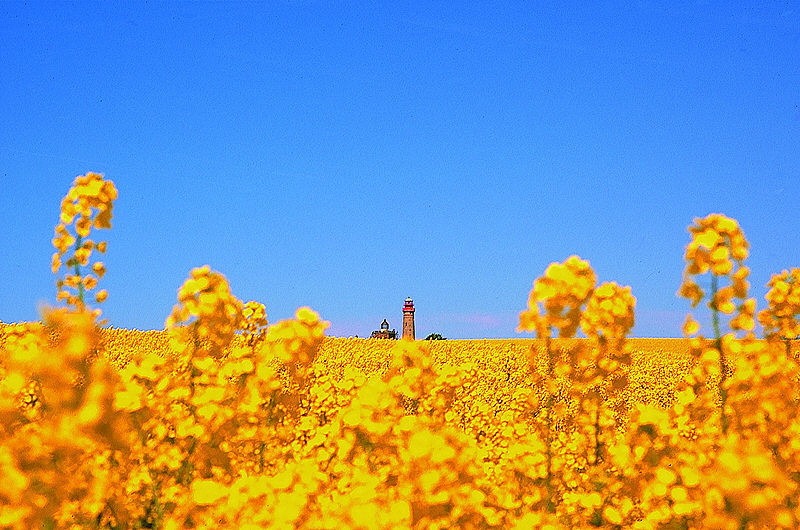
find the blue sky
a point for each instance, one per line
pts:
(348, 155)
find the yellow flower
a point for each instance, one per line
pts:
(612, 515)
(689, 289)
(690, 326)
(99, 268)
(89, 282)
(207, 491)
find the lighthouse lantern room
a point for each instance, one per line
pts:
(408, 319)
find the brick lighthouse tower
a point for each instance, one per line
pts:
(408, 319)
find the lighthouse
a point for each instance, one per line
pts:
(408, 319)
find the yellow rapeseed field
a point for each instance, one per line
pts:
(225, 421)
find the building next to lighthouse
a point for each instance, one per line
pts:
(384, 332)
(408, 319)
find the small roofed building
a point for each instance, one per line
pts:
(384, 332)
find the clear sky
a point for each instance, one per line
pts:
(345, 156)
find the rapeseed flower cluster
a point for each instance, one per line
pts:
(88, 206)
(213, 314)
(254, 324)
(781, 318)
(609, 312)
(557, 298)
(719, 248)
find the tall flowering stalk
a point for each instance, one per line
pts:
(781, 318)
(87, 206)
(719, 248)
(608, 318)
(60, 442)
(556, 301)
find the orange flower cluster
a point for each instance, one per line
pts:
(55, 414)
(254, 322)
(609, 312)
(780, 318)
(205, 297)
(718, 244)
(718, 247)
(557, 298)
(88, 205)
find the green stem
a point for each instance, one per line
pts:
(597, 434)
(551, 507)
(155, 488)
(77, 267)
(158, 507)
(718, 345)
(714, 310)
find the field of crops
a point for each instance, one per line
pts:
(225, 421)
